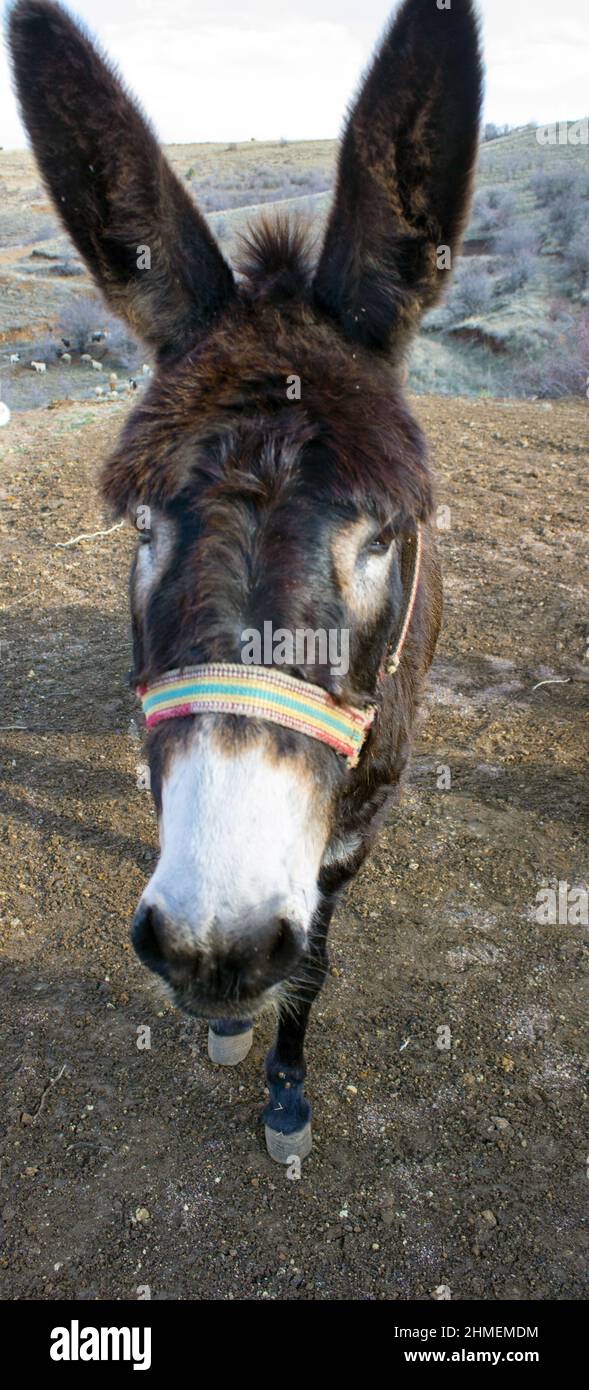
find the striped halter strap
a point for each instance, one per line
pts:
(263, 692)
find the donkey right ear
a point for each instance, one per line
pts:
(118, 197)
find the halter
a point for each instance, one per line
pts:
(263, 692)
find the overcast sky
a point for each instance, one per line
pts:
(230, 70)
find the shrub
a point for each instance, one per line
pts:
(311, 180)
(561, 367)
(494, 208)
(520, 270)
(517, 246)
(576, 261)
(82, 317)
(265, 178)
(549, 188)
(472, 291)
(520, 239)
(565, 216)
(513, 166)
(85, 316)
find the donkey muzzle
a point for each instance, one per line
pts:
(232, 969)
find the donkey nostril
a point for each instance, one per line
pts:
(147, 935)
(286, 946)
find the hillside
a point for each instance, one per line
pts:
(515, 322)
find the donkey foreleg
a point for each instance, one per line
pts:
(287, 1116)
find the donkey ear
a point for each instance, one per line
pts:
(404, 175)
(112, 186)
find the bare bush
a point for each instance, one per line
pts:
(520, 239)
(494, 208)
(519, 271)
(311, 180)
(566, 216)
(472, 291)
(80, 319)
(518, 246)
(513, 166)
(561, 366)
(265, 177)
(576, 261)
(85, 316)
(549, 187)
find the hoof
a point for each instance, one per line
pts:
(284, 1147)
(226, 1049)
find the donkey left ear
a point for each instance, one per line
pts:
(145, 242)
(405, 175)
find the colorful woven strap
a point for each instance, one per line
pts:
(260, 692)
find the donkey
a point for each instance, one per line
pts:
(285, 482)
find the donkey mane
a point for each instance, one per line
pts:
(275, 258)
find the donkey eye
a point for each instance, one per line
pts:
(382, 541)
(145, 537)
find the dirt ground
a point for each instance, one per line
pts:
(440, 1157)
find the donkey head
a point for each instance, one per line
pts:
(275, 459)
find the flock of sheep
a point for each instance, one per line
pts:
(111, 389)
(66, 358)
